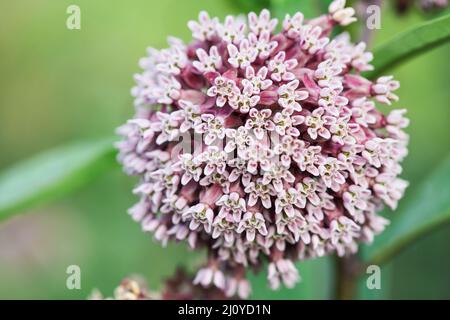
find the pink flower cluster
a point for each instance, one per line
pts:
(263, 146)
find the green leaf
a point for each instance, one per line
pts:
(427, 210)
(410, 43)
(316, 283)
(382, 293)
(52, 174)
(250, 5)
(309, 8)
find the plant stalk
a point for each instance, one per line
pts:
(348, 269)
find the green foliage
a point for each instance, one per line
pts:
(251, 5)
(316, 282)
(410, 43)
(52, 174)
(383, 293)
(429, 209)
(279, 8)
(309, 8)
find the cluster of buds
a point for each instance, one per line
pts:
(263, 146)
(177, 287)
(133, 288)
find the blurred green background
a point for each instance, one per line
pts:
(59, 85)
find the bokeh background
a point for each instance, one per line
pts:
(59, 85)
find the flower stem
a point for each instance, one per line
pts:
(348, 269)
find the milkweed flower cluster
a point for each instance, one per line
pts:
(263, 146)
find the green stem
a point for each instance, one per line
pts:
(348, 270)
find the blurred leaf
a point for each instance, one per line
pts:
(410, 43)
(251, 5)
(384, 293)
(324, 4)
(279, 8)
(429, 209)
(316, 283)
(52, 174)
(309, 8)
